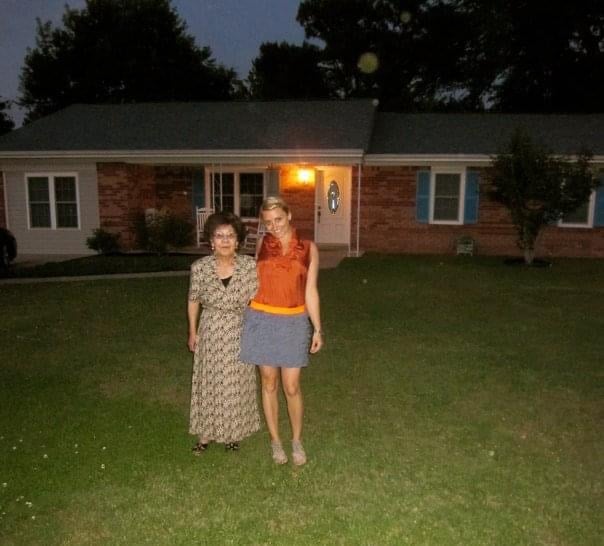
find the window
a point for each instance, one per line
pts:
(583, 216)
(447, 196)
(53, 201)
(251, 194)
(39, 202)
(224, 192)
(238, 192)
(447, 190)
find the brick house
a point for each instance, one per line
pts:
(356, 177)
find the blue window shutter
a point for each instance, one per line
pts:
(199, 190)
(470, 215)
(272, 182)
(599, 208)
(422, 197)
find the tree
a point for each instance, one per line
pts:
(286, 71)
(537, 187)
(370, 47)
(533, 55)
(506, 55)
(408, 54)
(119, 51)
(6, 124)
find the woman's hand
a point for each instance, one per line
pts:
(317, 342)
(192, 342)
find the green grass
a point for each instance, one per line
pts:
(104, 265)
(457, 401)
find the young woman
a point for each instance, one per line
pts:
(223, 399)
(282, 323)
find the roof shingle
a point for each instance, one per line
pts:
(276, 125)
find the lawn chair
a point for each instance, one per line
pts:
(202, 216)
(254, 234)
(465, 245)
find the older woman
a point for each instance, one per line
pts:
(283, 321)
(223, 400)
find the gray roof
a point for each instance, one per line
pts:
(294, 126)
(483, 134)
(275, 125)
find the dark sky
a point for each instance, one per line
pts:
(234, 30)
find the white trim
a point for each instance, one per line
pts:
(359, 179)
(5, 191)
(194, 157)
(52, 203)
(243, 157)
(455, 169)
(591, 210)
(427, 160)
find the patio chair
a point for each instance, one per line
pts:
(254, 234)
(202, 216)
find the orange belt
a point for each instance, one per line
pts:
(277, 310)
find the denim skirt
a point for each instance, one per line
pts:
(281, 341)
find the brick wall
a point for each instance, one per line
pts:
(2, 203)
(127, 190)
(388, 222)
(173, 187)
(301, 199)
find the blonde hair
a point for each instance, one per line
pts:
(274, 202)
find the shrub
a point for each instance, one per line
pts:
(162, 230)
(141, 233)
(103, 241)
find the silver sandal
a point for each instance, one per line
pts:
(298, 453)
(279, 455)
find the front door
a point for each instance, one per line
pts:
(332, 209)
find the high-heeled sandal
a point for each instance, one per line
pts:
(279, 455)
(199, 448)
(298, 453)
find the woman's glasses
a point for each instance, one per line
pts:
(224, 236)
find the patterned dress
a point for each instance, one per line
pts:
(224, 404)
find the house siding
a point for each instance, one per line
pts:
(111, 194)
(388, 222)
(2, 203)
(51, 241)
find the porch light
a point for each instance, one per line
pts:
(306, 176)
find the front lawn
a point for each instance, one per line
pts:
(457, 402)
(104, 265)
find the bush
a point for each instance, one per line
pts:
(141, 233)
(103, 241)
(162, 230)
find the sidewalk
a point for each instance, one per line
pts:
(330, 258)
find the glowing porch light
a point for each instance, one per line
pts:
(306, 176)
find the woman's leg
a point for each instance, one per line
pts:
(269, 377)
(290, 378)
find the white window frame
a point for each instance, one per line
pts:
(52, 199)
(591, 209)
(236, 171)
(461, 171)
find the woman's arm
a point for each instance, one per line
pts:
(193, 316)
(312, 299)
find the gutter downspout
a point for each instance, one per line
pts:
(5, 192)
(359, 176)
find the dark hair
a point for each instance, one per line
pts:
(218, 219)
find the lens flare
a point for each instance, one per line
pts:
(368, 62)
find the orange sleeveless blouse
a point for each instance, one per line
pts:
(282, 277)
